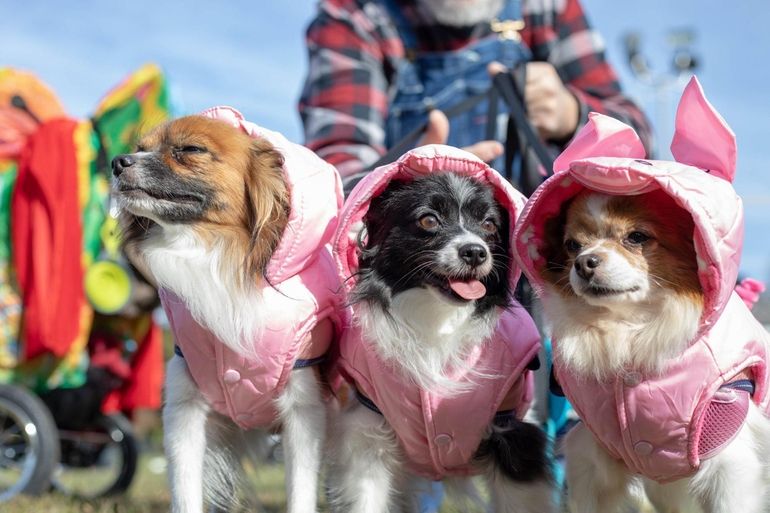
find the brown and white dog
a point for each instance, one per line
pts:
(233, 222)
(636, 261)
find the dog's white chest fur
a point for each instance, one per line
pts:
(181, 263)
(425, 334)
(598, 342)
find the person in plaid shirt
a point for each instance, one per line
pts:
(360, 51)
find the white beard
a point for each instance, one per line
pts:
(460, 13)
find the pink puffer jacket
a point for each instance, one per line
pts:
(662, 426)
(305, 290)
(439, 432)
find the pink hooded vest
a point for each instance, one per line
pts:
(305, 290)
(662, 426)
(439, 432)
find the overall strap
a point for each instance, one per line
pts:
(511, 11)
(403, 26)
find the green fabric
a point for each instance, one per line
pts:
(137, 104)
(8, 172)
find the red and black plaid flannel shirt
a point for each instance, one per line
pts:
(354, 51)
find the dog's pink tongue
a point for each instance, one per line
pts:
(471, 289)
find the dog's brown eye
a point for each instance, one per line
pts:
(489, 226)
(572, 246)
(637, 238)
(428, 222)
(192, 149)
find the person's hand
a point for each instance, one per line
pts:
(552, 108)
(437, 132)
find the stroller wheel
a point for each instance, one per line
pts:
(99, 460)
(29, 443)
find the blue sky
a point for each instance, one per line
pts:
(251, 55)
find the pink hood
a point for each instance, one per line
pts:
(316, 197)
(419, 162)
(303, 290)
(655, 423)
(438, 432)
(607, 156)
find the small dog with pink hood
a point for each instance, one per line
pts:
(437, 352)
(636, 262)
(234, 222)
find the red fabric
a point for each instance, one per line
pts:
(47, 239)
(106, 351)
(143, 387)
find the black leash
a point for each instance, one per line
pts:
(511, 90)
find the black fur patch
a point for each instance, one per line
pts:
(517, 449)
(399, 255)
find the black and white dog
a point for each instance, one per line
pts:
(433, 326)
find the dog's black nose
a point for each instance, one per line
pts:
(585, 265)
(473, 254)
(120, 163)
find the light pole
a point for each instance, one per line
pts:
(662, 83)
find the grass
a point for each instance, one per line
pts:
(149, 494)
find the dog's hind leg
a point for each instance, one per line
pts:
(595, 482)
(671, 497)
(184, 437)
(302, 411)
(516, 497)
(738, 478)
(366, 464)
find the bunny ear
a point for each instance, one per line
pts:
(702, 138)
(602, 136)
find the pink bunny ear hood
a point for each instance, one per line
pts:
(607, 157)
(316, 198)
(423, 161)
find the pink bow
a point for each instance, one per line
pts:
(749, 291)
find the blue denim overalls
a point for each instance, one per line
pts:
(440, 80)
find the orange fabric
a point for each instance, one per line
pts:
(38, 97)
(47, 245)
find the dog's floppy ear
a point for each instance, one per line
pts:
(702, 138)
(267, 200)
(553, 251)
(602, 136)
(376, 220)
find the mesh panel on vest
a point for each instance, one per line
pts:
(723, 419)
